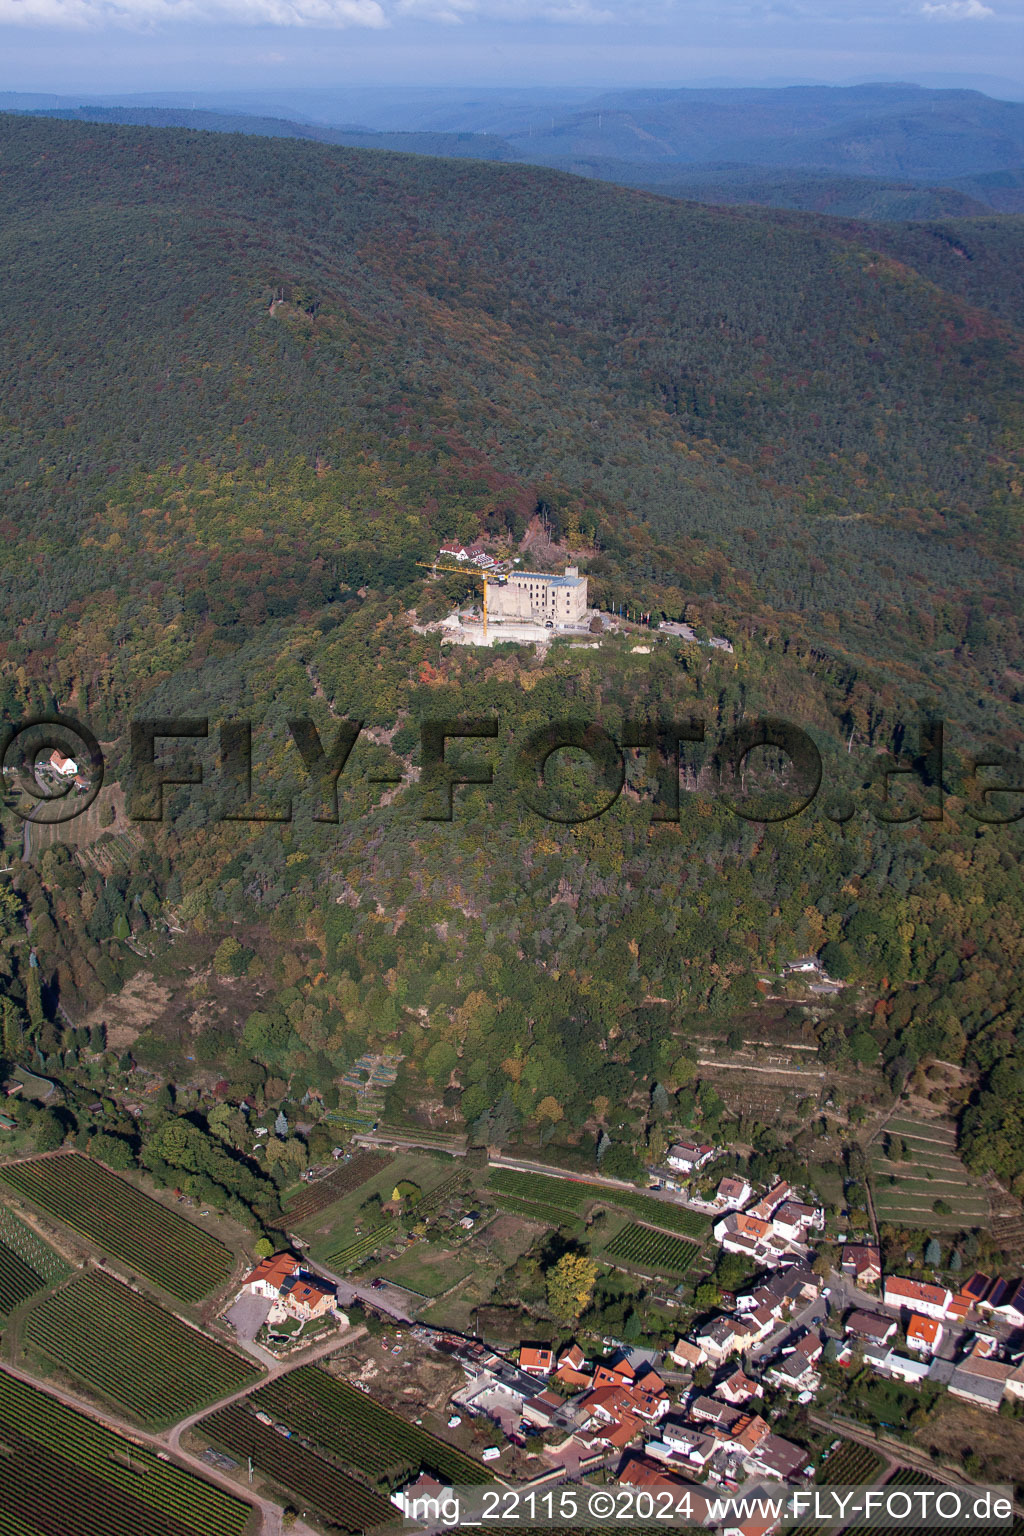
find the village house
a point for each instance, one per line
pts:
(573, 1370)
(688, 1356)
(639, 1472)
(917, 1296)
(740, 1232)
(65, 766)
(685, 1441)
(454, 550)
(924, 1335)
(796, 1370)
(536, 1359)
(732, 1194)
(871, 1326)
(708, 1410)
(980, 1382)
(862, 1262)
(1010, 1307)
(776, 1457)
(902, 1368)
(423, 1486)
(770, 1202)
(793, 1220)
(738, 1389)
(976, 1289)
(1014, 1386)
(688, 1156)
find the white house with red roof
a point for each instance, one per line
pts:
(270, 1275)
(917, 1296)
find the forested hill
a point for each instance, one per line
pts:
(245, 384)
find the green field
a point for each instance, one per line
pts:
(657, 1252)
(429, 1268)
(360, 1433)
(303, 1477)
(64, 1475)
(132, 1352)
(572, 1196)
(179, 1257)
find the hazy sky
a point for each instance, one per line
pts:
(100, 46)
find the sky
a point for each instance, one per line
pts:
(108, 47)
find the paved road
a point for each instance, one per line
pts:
(388, 1299)
(807, 1317)
(277, 1368)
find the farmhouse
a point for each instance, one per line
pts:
(305, 1297)
(270, 1275)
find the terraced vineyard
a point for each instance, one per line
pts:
(132, 1352)
(572, 1196)
(68, 1476)
(657, 1252)
(179, 1257)
(317, 1197)
(905, 1192)
(360, 1433)
(305, 1478)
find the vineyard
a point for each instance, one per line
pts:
(535, 1210)
(161, 1245)
(658, 1252)
(31, 1249)
(351, 1254)
(132, 1352)
(302, 1476)
(545, 1194)
(852, 1464)
(68, 1476)
(361, 1433)
(317, 1197)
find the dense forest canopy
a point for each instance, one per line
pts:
(246, 384)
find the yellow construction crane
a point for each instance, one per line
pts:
(474, 574)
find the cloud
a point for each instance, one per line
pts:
(956, 10)
(144, 15)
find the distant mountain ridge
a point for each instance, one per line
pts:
(886, 152)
